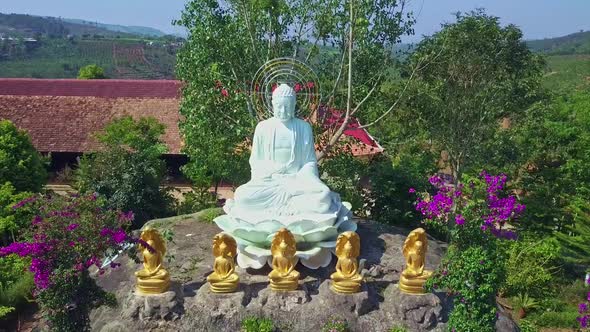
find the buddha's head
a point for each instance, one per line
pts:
(348, 249)
(283, 102)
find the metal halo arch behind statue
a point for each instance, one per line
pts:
(290, 71)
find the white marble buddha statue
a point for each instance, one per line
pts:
(285, 179)
(285, 191)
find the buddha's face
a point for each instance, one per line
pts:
(283, 107)
(348, 249)
(223, 248)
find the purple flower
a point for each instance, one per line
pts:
(72, 227)
(126, 216)
(412, 190)
(24, 202)
(119, 236)
(584, 321)
(37, 220)
(582, 307)
(459, 220)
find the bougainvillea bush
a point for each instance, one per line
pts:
(67, 237)
(584, 310)
(478, 216)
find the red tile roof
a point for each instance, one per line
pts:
(95, 88)
(61, 115)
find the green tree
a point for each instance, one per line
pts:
(471, 75)
(229, 40)
(91, 72)
(555, 178)
(20, 163)
(129, 171)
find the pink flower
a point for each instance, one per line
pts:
(224, 93)
(412, 190)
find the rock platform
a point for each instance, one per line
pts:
(190, 305)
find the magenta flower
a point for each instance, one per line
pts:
(459, 220)
(72, 227)
(37, 220)
(412, 190)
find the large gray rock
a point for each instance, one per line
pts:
(378, 307)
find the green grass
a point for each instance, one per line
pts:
(567, 72)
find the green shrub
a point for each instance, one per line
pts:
(391, 177)
(128, 173)
(194, 201)
(255, 324)
(209, 214)
(91, 72)
(554, 319)
(473, 276)
(343, 173)
(12, 221)
(20, 163)
(336, 325)
(398, 329)
(526, 325)
(16, 282)
(530, 267)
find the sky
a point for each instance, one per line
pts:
(536, 18)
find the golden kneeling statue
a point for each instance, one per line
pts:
(153, 279)
(347, 279)
(224, 279)
(283, 276)
(414, 276)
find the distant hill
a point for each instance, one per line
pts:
(135, 30)
(22, 25)
(575, 43)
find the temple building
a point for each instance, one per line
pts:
(61, 115)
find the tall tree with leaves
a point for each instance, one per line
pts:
(348, 43)
(471, 74)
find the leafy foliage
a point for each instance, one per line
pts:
(530, 267)
(336, 325)
(473, 276)
(391, 176)
(556, 178)
(128, 173)
(195, 201)
(255, 324)
(12, 221)
(470, 75)
(16, 283)
(91, 72)
(20, 163)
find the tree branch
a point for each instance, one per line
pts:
(346, 120)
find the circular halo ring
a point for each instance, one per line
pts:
(290, 71)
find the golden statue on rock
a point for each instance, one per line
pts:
(153, 279)
(224, 279)
(414, 276)
(283, 276)
(346, 279)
